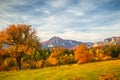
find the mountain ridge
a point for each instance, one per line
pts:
(71, 44)
(67, 43)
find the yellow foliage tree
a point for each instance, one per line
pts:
(99, 54)
(57, 53)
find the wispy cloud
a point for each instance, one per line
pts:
(83, 20)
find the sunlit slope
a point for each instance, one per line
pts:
(88, 71)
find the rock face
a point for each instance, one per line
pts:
(112, 40)
(57, 41)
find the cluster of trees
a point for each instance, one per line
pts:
(20, 48)
(100, 53)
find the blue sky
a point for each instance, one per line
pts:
(81, 20)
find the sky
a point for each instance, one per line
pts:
(81, 20)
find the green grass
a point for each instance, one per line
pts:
(88, 71)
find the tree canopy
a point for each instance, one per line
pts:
(19, 40)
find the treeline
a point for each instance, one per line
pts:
(20, 48)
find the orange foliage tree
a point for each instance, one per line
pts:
(82, 54)
(19, 39)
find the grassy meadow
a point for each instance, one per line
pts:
(88, 71)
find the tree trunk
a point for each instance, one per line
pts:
(18, 59)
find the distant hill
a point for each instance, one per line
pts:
(111, 40)
(71, 44)
(57, 41)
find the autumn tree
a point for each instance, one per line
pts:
(56, 56)
(82, 54)
(20, 40)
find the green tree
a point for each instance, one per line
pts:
(112, 50)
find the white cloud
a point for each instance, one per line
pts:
(73, 35)
(91, 35)
(59, 18)
(75, 12)
(42, 10)
(57, 3)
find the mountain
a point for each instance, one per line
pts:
(111, 40)
(71, 44)
(57, 41)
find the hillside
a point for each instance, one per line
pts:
(88, 71)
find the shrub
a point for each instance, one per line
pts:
(1, 61)
(39, 64)
(32, 64)
(46, 63)
(107, 58)
(29, 64)
(2, 68)
(25, 65)
(53, 61)
(99, 57)
(107, 77)
(10, 62)
(119, 56)
(82, 60)
(69, 59)
(26, 57)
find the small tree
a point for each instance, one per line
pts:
(20, 40)
(82, 54)
(56, 54)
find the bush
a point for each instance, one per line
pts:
(107, 77)
(119, 56)
(25, 65)
(82, 60)
(69, 59)
(32, 64)
(29, 64)
(53, 61)
(10, 62)
(39, 64)
(1, 61)
(107, 58)
(46, 63)
(2, 68)
(99, 57)
(26, 57)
